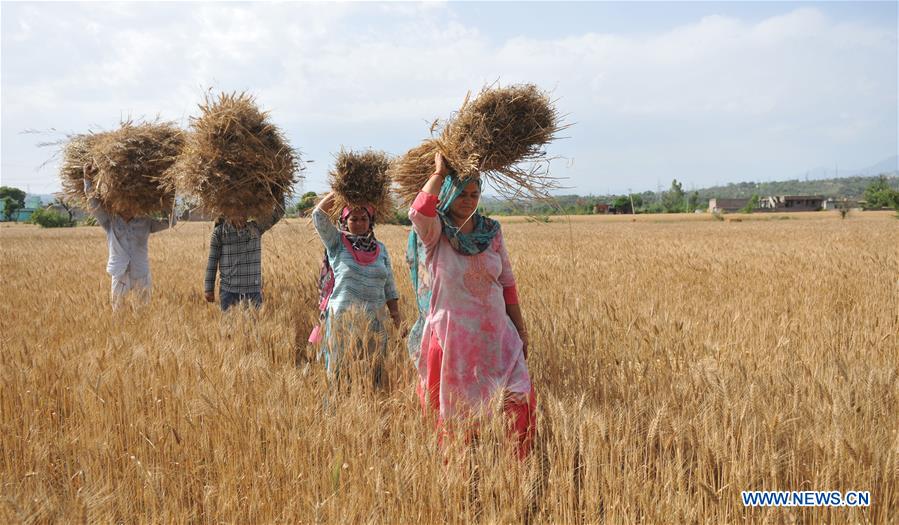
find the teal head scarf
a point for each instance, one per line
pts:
(484, 228)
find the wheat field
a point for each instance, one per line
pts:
(677, 362)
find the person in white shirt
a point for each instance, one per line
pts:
(127, 236)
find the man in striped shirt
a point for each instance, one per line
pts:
(235, 252)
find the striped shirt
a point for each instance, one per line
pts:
(369, 286)
(236, 254)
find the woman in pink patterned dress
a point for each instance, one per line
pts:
(474, 341)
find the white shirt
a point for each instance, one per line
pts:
(127, 240)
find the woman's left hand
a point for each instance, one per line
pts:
(513, 310)
(398, 323)
(326, 203)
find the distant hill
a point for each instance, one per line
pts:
(848, 187)
(851, 186)
(887, 165)
(890, 165)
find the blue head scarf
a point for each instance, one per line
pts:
(485, 229)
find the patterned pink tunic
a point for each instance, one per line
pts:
(482, 352)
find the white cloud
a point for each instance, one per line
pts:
(696, 89)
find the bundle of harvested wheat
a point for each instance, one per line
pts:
(360, 179)
(132, 166)
(76, 153)
(489, 137)
(236, 162)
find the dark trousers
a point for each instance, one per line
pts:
(229, 299)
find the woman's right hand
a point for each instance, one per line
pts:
(440, 167)
(435, 181)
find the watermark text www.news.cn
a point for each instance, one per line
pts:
(805, 498)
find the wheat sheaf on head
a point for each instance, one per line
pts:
(133, 166)
(501, 135)
(361, 178)
(235, 161)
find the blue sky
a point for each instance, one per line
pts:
(704, 92)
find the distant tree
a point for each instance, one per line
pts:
(752, 204)
(654, 207)
(400, 216)
(13, 200)
(184, 205)
(878, 185)
(693, 203)
(65, 203)
(673, 199)
(637, 200)
(8, 207)
(306, 202)
(879, 194)
(47, 218)
(622, 203)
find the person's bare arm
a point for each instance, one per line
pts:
(327, 203)
(441, 170)
(93, 203)
(270, 221)
(423, 211)
(321, 220)
(393, 305)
